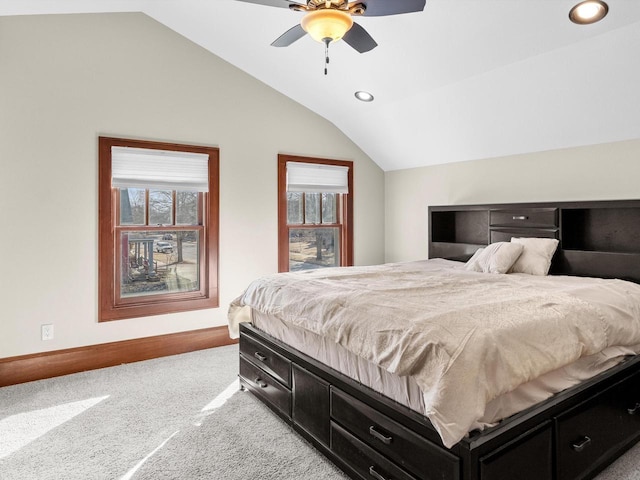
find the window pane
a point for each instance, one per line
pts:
(160, 207)
(294, 208)
(312, 207)
(329, 208)
(187, 208)
(159, 262)
(313, 248)
(132, 206)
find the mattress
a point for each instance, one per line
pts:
(404, 389)
(463, 348)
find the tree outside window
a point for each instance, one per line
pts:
(158, 234)
(315, 226)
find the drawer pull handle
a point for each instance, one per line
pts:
(578, 447)
(260, 356)
(261, 383)
(520, 217)
(376, 475)
(634, 409)
(380, 436)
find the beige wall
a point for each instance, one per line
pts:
(65, 80)
(600, 172)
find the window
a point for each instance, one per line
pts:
(315, 213)
(158, 234)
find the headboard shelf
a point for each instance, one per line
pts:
(597, 238)
(601, 229)
(465, 226)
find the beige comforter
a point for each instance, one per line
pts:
(465, 337)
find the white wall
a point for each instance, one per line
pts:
(65, 80)
(600, 172)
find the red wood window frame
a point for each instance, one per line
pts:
(344, 211)
(111, 305)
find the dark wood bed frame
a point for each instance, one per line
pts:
(573, 435)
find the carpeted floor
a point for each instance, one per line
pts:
(159, 419)
(176, 418)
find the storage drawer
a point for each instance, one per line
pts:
(527, 457)
(530, 218)
(265, 386)
(369, 464)
(506, 234)
(597, 427)
(407, 449)
(268, 360)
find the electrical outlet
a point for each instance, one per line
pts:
(47, 331)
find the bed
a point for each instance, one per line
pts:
(490, 377)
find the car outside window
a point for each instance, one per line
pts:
(158, 246)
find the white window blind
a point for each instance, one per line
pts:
(317, 178)
(160, 169)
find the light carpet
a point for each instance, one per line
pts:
(177, 417)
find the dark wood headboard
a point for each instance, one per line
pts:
(597, 238)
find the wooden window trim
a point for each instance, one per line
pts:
(108, 307)
(345, 208)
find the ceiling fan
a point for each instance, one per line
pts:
(328, 21)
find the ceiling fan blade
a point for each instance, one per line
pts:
(378, 8)
(272, 3)
(359, 39)
(290, 36)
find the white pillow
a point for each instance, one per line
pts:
(495, 258)
(536, 256)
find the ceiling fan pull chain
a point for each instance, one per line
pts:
(326, 54)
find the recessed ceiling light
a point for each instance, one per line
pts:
(589, 11)
(364, 96)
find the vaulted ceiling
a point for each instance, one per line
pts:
(461, 80)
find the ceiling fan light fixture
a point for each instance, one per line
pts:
(588, 11)
(327, 23)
